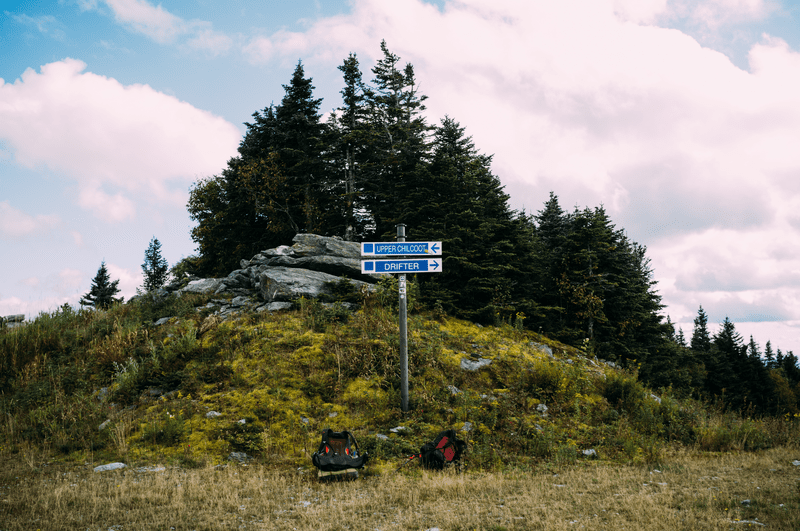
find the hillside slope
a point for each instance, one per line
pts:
(198, 389)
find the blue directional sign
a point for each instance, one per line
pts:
(401, 248)
(433, 265)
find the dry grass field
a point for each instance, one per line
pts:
(690, 490)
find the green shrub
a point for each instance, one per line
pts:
(167, 429)
(244, 436)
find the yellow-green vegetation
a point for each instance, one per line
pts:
(186, 394)
(191, 391)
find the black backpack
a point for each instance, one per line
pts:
(445, 449)
(336, 452)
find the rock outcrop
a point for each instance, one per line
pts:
(12, 321)
(274, 278)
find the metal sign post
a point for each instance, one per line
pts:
(402, 266)
(401, 237)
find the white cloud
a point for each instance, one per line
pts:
(163, 27)
(153, 21)
(30, 282)
(716, 13)
(16, 224)
(133, 141)
(65, 287)
(45, 24)
(116, 208)
(77, 237)
(206, 39)
(128, 280)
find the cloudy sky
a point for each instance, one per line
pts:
(681, 117)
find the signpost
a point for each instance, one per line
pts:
(402, 266)
(401, 248)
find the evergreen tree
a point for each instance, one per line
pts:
(155, 268)
(701, 339)
(759, 387)
(680, 338)
(101, 294)
(300, 140)
(791, 368)
(727, 365)
(769, 355)
(752, 349)
(353, 145)
(399, 145)
(552, 226)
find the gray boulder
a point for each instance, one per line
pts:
(310, 251)
(333, 265)
(474, 365)
(314, 245)
(275, 307)
(288, 284)
(204, 285)
(110, 466)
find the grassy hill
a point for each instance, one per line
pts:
(195, 389)
(175, 400)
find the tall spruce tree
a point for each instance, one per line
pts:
(726, 365)
(399, 146)
(300, 140)
(155, 268)
(352, 146)
(769, 355)
(701, 338)
(759, 387)
(101, 294)
(552, 229)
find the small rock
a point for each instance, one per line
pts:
(110, 466)
(590, 453)
(213, 414)
(541, 408)
(542, 348)
(453, 389)
(474, 365)
(240, 301)
(104, 425)
(399, 429)
(304, 420)
(240, 457)
(746, 503)
(467, 426)
(143, 469)
(241, 421)
(796, 462)
(333, 414)
(382, 437)
(654, 397)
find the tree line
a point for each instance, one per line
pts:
(376, 162)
